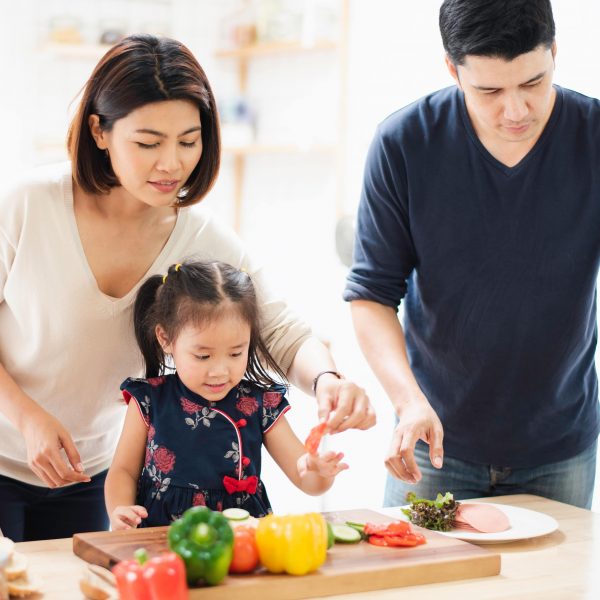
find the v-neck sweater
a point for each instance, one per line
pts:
(496, 267)
(68, 345)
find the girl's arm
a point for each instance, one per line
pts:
(121, 481)
(313, 474)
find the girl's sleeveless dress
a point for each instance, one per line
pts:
(200, 452)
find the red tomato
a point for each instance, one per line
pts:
(245, 552)
(314, 438)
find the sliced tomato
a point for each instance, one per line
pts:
(373, 529)
(314, 438)
(377, 540)
(393, 528)
(397, 541)
(399, 528)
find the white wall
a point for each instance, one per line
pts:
(395, 56)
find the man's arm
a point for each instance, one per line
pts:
(382, 342)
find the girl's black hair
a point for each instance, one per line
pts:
(495, 28)
(194, 292)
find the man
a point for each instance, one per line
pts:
(481, 211)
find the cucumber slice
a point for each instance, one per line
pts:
(345, 534)
(236, 514)
(360, 527)
(330, 536)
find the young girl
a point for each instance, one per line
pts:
(194, 437)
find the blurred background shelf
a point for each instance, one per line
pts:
(69, 50)
(280, 149)
(265, 49)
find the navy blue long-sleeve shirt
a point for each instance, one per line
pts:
(497, 270)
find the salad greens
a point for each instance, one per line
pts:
(435, 514)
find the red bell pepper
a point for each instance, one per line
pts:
(160, 578)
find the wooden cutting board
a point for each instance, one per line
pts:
(349, 567)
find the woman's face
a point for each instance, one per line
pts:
(154, 149)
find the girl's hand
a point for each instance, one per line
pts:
(343, 404)
(127, 517)
(327, 465)
(45, 437)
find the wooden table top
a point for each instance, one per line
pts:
(562, 565)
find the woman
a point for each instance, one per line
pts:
(76, 242)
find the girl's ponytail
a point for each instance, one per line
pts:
(144, 324)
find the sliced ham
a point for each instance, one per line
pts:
(483, 518)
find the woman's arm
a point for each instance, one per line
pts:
(121, 481)
(313, 474)
(44, 436)
(344, 404)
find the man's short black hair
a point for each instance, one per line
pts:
(495, 28)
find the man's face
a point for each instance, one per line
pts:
(508, 101)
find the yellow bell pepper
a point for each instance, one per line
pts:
(294, 544)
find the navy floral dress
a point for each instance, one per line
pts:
(202, 453)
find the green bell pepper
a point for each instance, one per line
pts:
(204, 539)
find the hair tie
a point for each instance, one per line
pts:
(176, 268)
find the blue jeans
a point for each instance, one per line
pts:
(570, 481)
(31, 512)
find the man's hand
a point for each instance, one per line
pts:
(45, 438)
(343, 404)
(418, 421)
(127, 517)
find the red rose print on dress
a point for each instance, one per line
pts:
(202, 414)
(156, 381)
(271, 399)
(247, 405)
(189, 406)
(164, 459)
(151, 432)
(198, 499)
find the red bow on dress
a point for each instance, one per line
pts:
(240, 485)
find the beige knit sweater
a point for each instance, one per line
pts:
(68, 345)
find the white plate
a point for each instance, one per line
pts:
(524, 524)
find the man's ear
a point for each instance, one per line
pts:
(163, 340)
(97, 132)
(453, 70)
(553, 50)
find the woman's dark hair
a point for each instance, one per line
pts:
(495, 28)
(139, 70)
(198, 293)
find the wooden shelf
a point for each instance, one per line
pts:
(272, 48)
(243, 56)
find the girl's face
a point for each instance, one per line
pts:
(212, 359)
(154, 149)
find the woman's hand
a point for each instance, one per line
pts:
(127, 517)
(327, 465)
(418, 421)
(45, 437)
(343, 404)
